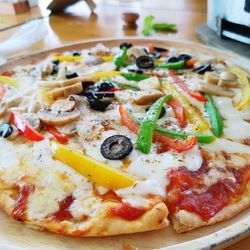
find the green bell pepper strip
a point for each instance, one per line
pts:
(121, 60)
(164, 26)
(214, 116)
(148, 28)
(145, 134)
(126, 85)
(202, 138)
(134, 76)
(175, 65)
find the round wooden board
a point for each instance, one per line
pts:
(14, 235)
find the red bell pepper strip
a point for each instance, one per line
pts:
(128, 121)
(166, 141)
(112, 90)
(179, 112)
(7, 73)
(24, 127)
(2, 91)
(157, 75)
(175, 144)
(151, 47)
(57, 135)
(184, 87)
(191, 62)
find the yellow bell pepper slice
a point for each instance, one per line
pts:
(108, 58)
(92, 169)
(193, 114)
(9, 81)
(68, 58)
(244, 86)
(105, 74)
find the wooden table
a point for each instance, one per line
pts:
(79, 24)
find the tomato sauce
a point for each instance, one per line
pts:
(127, 212)
(63, 213)
(182, 194)
(19, 211)
(110, 196)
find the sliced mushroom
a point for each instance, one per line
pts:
(69, 129)
(214, 90)
(228, 80)
(146, 96)
(3, 109)
(66, 91)
(228, 76)
(46, 69)
(68, 82)
(62, 69)
(63, 106)
(212, 77)
(13, 101)
(150, 83)
(34, 106)
(54, 118)
(136, 52)
(33, 120)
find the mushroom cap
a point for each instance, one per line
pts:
(54, 118)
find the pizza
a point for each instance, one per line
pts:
(108, 141)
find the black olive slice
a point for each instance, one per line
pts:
(116, 147)
(125, 45)
(163, 112)
(55, 69)
(172, 59)
(5, 130)
(160, 50)
(76, 53)
(203, 69)
(137, 71)
(184, 57)
(97, 104)
(55, 61)
(103, 85)
(71, 75)
(144, 62)
(99, 95)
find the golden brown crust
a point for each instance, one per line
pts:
(184, 221)
(100, 224)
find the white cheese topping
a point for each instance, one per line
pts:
(235, 126)
(227, 146)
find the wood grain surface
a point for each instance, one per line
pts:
(77, 24)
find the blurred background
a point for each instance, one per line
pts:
(29, 26)
(68, 21)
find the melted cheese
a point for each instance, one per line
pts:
(53, 180)
(235, 126)
(227, 146)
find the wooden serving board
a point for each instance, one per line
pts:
(14, 235)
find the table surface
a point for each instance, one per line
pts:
(77, 23)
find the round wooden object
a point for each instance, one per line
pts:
(14, 235)
(130, 19)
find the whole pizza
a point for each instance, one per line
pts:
(107, 141)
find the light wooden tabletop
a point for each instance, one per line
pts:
(77, 23)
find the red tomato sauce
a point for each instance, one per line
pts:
(111, 196)
(127, 212)
(63, 213)
(182, 194)
(19, 211)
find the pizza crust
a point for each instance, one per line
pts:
(100, 224)
(184, 221)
